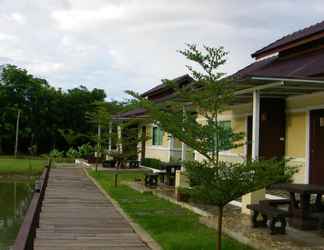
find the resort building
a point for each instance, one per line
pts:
(279, 106)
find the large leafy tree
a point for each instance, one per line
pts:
(44, 110)
(193, 117)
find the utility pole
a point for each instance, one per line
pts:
(17, 133)
(98, 153)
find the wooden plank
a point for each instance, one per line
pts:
(75, 215)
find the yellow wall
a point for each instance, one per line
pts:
(296, 134)
(306, 101)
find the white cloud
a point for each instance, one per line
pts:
(132, 44)
(17, 17)
(82, 19)
(43, 68)
(4, 36)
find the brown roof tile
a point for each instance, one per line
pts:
(298, 66)
(298, 35)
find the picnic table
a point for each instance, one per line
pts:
(303, 206)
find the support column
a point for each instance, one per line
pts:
(183, 145)
(183, 151)
(171, 146)
(110, 139)
(256, 196)
(119, 135)
(256, 125)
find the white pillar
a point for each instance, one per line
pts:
(171, 146)
(256, 196)
(110, 134)
(256, 125)
(119, 134)
(183, 145)
(183, 151)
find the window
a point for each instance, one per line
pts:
(157, 136)
(225, 124)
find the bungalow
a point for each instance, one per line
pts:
(279, 106)
(160, 145)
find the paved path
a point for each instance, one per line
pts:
(77, 216)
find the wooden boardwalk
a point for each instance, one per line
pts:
(77, 216)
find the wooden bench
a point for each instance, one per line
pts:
(275, 202)
(274, 215)
(151, 179)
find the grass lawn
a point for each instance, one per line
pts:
(173, 227)
(10, 166)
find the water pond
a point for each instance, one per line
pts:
(15, 196)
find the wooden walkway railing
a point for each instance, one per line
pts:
(27, 231)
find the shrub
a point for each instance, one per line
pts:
(56, 154)
(72, 153)
(183, 194)
(152, 163)
(86, 150)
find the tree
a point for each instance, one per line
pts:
(44, 109)
(100, 117)
(192, 117)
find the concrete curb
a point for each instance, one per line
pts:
(145, 237)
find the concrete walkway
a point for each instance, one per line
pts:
(76, 215)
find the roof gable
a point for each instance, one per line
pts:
(297, 38)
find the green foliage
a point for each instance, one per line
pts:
(218, 185)
(55, 153)
(86, 150)
(152, 163)
(172, 226)
(72, 153)
(207, 95)
(192, 116)
(44, 110)
(70, 136)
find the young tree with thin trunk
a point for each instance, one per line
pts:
(192, 116)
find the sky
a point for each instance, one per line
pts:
(119, 45)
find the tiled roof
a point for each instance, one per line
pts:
(296, 36)
(132, 113)
(162, 86)
(299, 66)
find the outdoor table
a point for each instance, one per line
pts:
(301, 209)
(170, 173)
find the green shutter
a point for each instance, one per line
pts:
(160, 137)
(157, 136)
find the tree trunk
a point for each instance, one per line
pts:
(219, 229)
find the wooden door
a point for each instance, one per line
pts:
(316, 175)
(272, 128)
